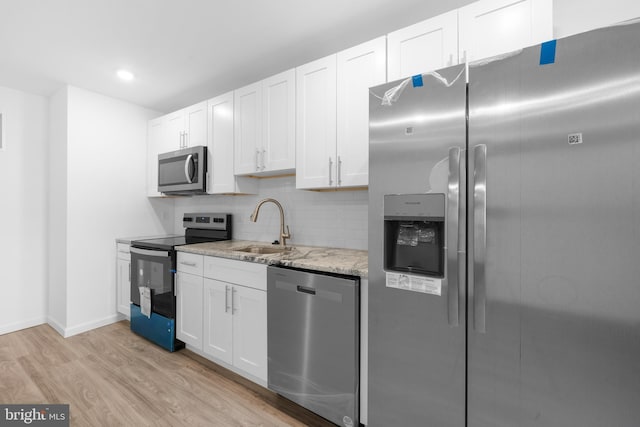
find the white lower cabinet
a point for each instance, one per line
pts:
(249, 308)
(218, 320)
(235, 326)
(189, 309)
(123, 279)
(222, 312)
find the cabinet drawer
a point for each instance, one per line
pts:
(190, 263)
(123, 251)
(243, 273)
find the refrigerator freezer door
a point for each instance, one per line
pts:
(560, 343)
(417, 340)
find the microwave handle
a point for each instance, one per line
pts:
(187, 163)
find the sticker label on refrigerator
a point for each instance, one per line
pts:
(574, 138)
(406, 282)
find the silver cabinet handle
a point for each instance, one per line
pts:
(456, 234)
(339, 171)
(257, 159)
(233, 307)
(181, 139)
(330, 174)
(226, 299)
(186, 139)
(479, 244)
(264, 153)
(187, 173)
(189, 264)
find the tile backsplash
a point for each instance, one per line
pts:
(333, 218)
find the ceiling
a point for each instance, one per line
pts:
(183, 51)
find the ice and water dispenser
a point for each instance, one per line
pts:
(414, 240)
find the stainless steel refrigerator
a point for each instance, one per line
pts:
(504, 240)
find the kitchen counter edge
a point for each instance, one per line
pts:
(351, 262)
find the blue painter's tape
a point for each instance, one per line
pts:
(548, 52)
(417, 80)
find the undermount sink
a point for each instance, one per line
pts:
(264, 249)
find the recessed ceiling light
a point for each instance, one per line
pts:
(125, 75)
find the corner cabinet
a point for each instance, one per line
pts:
(332, 126)
(265, 126)
(123, 279)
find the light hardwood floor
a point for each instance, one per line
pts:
(111, 377)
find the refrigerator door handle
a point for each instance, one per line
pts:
(479, 237)
(455, 245)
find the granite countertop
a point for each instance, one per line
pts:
(331, 260)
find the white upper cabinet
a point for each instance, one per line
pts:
(186, 127)
(426, 46)
(265, 126)
(180, 129)
(220, 147)
(358, 69)
(493, 27)
(248, 128)
(332, 127)
(316, 124)
(279, 122)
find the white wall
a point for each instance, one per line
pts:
(106, 199)
(57, 208)
(333, 219)
(23, 207)
(575, 16)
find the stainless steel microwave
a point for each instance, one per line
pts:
(183, 171)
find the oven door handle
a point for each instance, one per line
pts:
(148, 252)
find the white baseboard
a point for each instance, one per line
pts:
(23, 324)
(84, 327)
(56, 325)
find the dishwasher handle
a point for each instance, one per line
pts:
(306, 290)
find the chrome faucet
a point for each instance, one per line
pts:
(254, 217)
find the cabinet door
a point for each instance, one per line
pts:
(174, 137)
(248, 129)
(426, 46)
(218, 320)
(195, 122)
(316, 124)
(492, 27)
(279, 115)
(250, 331)
(156, 130)
(359, 68)
(123, 286)
(220, 145)
(189, 309)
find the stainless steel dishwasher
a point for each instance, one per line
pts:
(314, 335)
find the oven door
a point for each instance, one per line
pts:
(154, 269)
